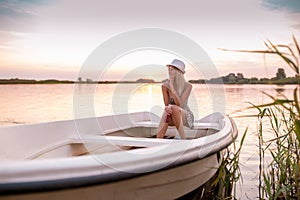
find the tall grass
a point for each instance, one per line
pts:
(229, 172)
(223, 185)
(279, 177)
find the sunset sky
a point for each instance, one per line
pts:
(43, 39)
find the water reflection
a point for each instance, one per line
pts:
(41, 103)
(280, 90)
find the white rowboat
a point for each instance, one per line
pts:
(110, 157)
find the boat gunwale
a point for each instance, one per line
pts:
(75, 182)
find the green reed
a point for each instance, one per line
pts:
(229, 172)
(279, 176)
(223, 184)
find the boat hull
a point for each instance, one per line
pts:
(170, 183)
(60, 164)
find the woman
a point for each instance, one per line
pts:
(176, 92)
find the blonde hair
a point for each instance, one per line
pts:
(179, 82)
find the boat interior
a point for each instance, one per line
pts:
(58, 140)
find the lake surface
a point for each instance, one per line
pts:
(25, 104)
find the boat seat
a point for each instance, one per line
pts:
(103, 140)
(202, 125)
(197, 125)
(49, 148)
(148, 124)
(123, 141)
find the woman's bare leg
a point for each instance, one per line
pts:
(177, 119)
(163, 126)
(162, 131)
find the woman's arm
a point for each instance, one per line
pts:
(166, 99)
(165, 95)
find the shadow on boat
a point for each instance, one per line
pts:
(212, 189)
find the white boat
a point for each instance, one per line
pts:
(110, 157)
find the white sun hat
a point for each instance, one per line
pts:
(178, 64)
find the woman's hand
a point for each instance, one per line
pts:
(173, 94)
(168, 109)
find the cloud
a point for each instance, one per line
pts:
(291, 5)
(289, 9)
(66, 31)
(18, 18)
(294, 22)
(8, 39)
(19, 15)
(157, 12)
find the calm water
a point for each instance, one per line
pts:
(25, 104)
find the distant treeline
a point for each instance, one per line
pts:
(226, 80)
(31, 81)
(231, 78)
(53, 81)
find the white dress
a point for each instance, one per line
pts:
(188, 113)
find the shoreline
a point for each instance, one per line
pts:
(129, 82)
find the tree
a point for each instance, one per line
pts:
(280, 74)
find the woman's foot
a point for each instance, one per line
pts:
(177, 137)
